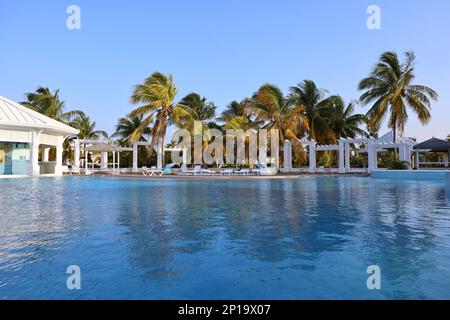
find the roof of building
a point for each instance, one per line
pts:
(388, 138)
(16, 116)
(433, 144)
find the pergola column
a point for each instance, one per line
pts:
(114, 162)
(446, 158)
(85, 158)
(33, 169)
(185, 159)
(347, 157)
(59, 157)
(341, 156)
(370, 163)
(135, 158)
(287, 151)
(312, 157)
(46, 155)
(160, 154)
(104, 160)
(118, 162)
(417, 159)
(76, 154)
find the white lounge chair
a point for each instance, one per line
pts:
(227, 172)
(242, 172)
(207, 172)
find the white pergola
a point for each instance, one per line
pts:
(97, 146)
(159, 154)
(19, 124)
(372, 147)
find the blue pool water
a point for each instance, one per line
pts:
(297, 238)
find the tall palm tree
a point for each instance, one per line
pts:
(317, 108)
(391, 90)
(448, 137)
(235, 116)
(87, 128)
(49, 104)
(203, 110)
(272, 108)
(126, 127)
(157, 94)
(343, 122)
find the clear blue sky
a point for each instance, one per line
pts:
(223, 50)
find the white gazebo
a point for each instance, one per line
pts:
(27, 139)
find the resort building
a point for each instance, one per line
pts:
(31, 144)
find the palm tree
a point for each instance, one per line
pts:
(343, 122)
(157, 93)
(275, 111)
(49, 104)
(390, 88)
(87, 128)
(448, 137)
(235, 117)
(126, 127)
(202, 109)
(317, 108)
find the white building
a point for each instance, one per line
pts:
(31, 144)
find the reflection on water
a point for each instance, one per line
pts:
(281, 238)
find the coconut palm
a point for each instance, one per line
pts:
(275, 111)
(343, 123)
(390, 90)
(203, 110)
(235, 117)
(157, 94)
(49, 104)
(87, 128)
(317, 108)
(126, 127)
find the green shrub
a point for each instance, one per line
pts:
(399, 165)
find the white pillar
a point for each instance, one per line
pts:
(185, 159)
(159, 154)
(46, 155)
(114, 163)
(446, 158)
(76, 154)
(287, 151)
(417, 159)
(370, 149)
(33, 169)
(401, 153)
(135, 158)
(312, 157)
(85, 159)
(341, 156)
(104, 160)
(347, 157)
(118, 162)
(59, 157)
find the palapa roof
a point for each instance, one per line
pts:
(434, 144)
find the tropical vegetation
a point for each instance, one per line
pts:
(305, 112)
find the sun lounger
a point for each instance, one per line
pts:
(242, 172)
(227, 172)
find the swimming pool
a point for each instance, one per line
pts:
(299, 238)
